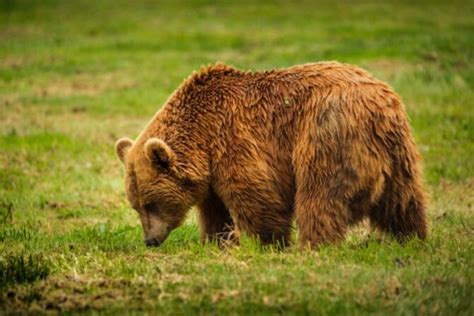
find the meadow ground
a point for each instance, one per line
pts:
(76, 75)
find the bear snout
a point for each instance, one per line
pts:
(154, 242)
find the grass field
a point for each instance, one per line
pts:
(77, 75)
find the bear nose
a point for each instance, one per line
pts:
(152, 242)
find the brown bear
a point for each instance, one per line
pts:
(323, 143)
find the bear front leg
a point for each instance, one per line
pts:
(277, 237)
(215, 222)
(271, 225)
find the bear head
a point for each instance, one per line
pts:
(159, 187)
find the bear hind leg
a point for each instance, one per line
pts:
(401, 213)
(320, 221)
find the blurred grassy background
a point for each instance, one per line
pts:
(76, 75)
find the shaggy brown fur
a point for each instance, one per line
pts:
(323, 143)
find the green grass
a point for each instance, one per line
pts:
(20, 269)
(76, 75)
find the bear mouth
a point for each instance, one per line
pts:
(153, 242)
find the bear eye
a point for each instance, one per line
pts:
(149, 207)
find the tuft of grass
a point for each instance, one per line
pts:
(22, 268)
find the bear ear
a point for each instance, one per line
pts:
(122, 146)
(157, 151)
